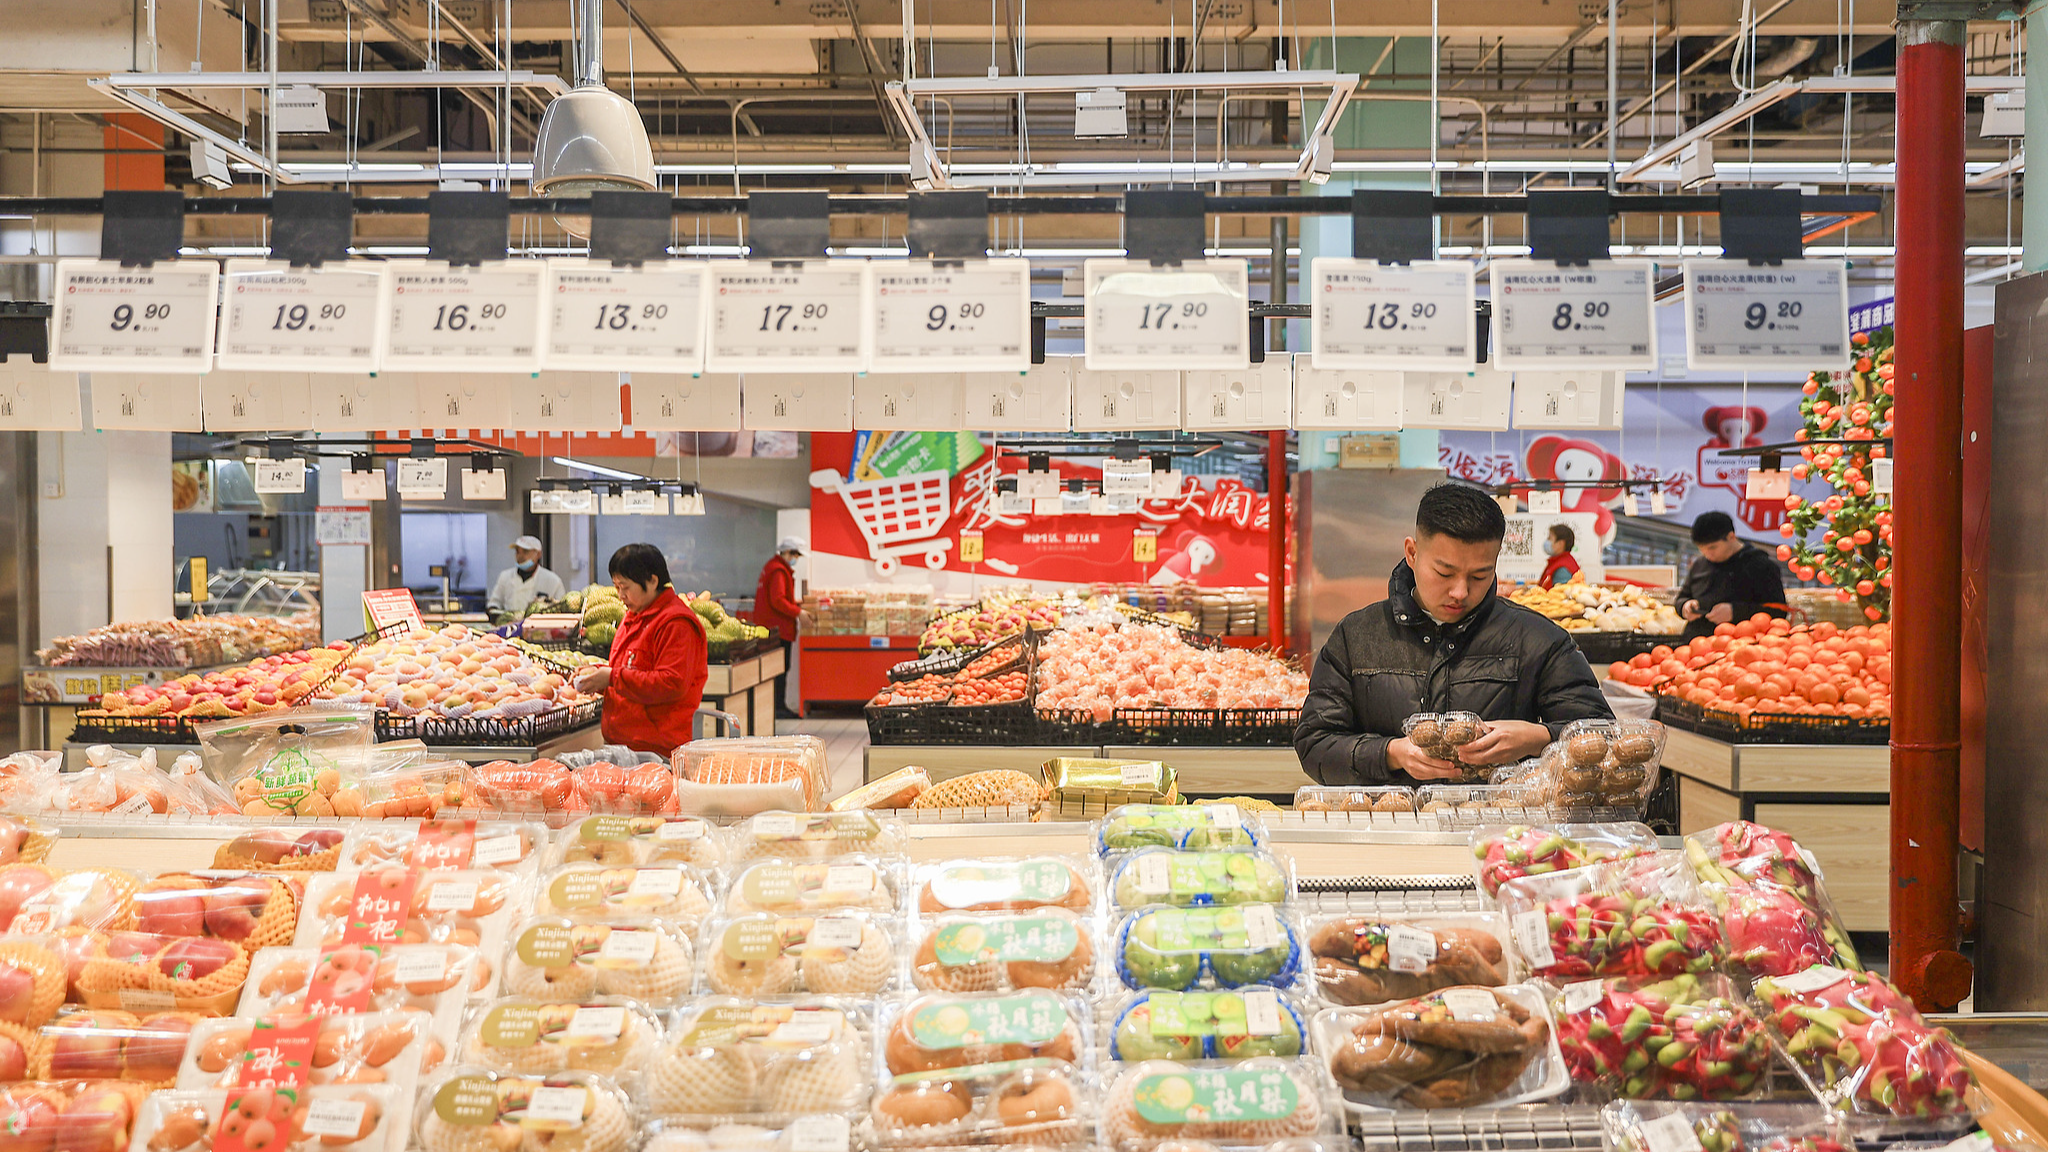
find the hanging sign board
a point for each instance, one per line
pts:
(795, 316)
(941, 316)
(1189, 315)
(423, 479)
(116, 319)
(1793, 315)
(1545, 503)
(1373, 315)
(624, 319)
(279, 475)
(482, 319)
(335, 525)
(1597, 316)
(363, 485)
(329, 319)
(488, 485)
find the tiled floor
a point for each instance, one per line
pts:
(846, 742)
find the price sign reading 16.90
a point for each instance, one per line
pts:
(794, 316)
(1792, 315)
(1189, 315)
(113, 319)
(449, 319)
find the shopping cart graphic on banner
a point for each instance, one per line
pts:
(900, 515)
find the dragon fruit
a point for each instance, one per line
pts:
(1685, 1038)
(1512, 852)
(1740, 852)
(1859, 1041)
(1616, 934)
(1773, 932)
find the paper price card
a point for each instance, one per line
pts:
(1144, 547)
(606, 318)
(114, 319)
(971, 547)
(276, 317)
(449, 319)
(1792, 315)
(423, 479)
(1190, 315)
(1598, 316)
(279, 475)
(794, 316)
(939, 316)
(1373, 315)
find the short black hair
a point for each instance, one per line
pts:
(1712, 526)
(641, 563)
(1462, 512)
(1564, 532)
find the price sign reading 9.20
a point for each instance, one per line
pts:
(1792, 315)
(951, 316)
(1189, 315)
(1410, 316)
(108, 318)
(793, 316)
(461, 319)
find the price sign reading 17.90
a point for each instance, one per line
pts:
(649, 318)
(792, 316)
(950, 316)
(1592, 316)
(1793, 315)
(1408, 316)
(483, 318)
(327, 319)
(1189, 315)
(112, 319)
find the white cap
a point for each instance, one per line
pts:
(530, 543)
(792, 544)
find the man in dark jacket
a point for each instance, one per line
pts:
(1730, 582)
(1441, 641)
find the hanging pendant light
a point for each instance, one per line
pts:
(591, 138)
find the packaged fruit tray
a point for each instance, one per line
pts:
(1769, 728)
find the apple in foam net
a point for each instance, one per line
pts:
(195, 957)
(95, 1121)
(13, 1060)
(233, 908)
(171, 911)
(28, 1119)
(87, 1046)
(153, 1050)
(17, 994)
(19, 885)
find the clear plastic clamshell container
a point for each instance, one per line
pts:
(814, 887)
(1214, 946)
(736, 1060)
(473, 1109)
(675, 893)
(1236, 1024)
(618, 840)
(1186, 879)
(1452, 1048)
(1229, 1104)
(1007, 884)
(1196, 827)
(572, 960)
(612, 1035)
(763, 955)
(1049, 948)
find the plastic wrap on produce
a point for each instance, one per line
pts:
(1452, 1048)
(1642, 916)
(1364, 958)
(616, 840)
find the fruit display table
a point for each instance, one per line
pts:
(1834, 799)
(746, 688)
(848, 669)
(1270, 773)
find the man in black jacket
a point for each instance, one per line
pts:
(1441, 641)
(1730, 582)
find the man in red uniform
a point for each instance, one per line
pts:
(776, 608)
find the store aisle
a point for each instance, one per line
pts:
(846, 742)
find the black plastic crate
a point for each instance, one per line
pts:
(899, 723)
(1260, 727)
(1189, 726)
(1059, 726)
(1730, 728)
(471, 731)
(137, 730)
(947, 662)
(1011, 722)
(1607, 647)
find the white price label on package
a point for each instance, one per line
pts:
(655, 882)
(1597, 316)
(797, 316)
(557, 1105)
(834, 932)
(1670, 1133)
(420, 966)
(1410, 949)
(327, 319)
(1793, 315)
(944, 316)
(279, 475)
(820, 1134)
(326, 1116)
(1261, 1012)
(452, 896)
(1476, 1004)
(593, 1021)
(629, 946)
(1261, 926)
(680, 830)
(1189, 315)
(108, 318)
(1127, 477)
(448, 319)
(1812, 980)
(1583, 995)
(1373, 315)
(849, 878)
(648, 318)
(1531, 930)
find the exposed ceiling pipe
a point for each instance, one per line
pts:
(591, 138)
(1791, 56)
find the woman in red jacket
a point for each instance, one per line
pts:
(656, 676)
(1561, 566)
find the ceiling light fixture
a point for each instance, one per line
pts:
(591, 138)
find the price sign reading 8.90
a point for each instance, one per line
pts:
(113, 319)
(1373, 315)
(326, 319)
(795, 316)
(1592, 316)
(605, 318)
(449, 319)
(940, 316)
(1189, 315)
(1793, 315)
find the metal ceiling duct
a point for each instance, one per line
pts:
(591, 138)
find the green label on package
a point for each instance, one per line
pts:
(1242, 928)
(1004, 1020)
(467, 1101)
(1045, 939)
(1252, 1013)
(1210, 1097)
(1008, 882)
(1178, 816)
(1184, 875)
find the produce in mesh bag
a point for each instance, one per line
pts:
(1361, 959)
(1159, 1104)
(571, 960)
(846, 954)
(638, 840)
(610, 1035)
(1640, 917)
(995, 788)
(1860, 1044)
(1509, 852)
(1453, 1048)
(1686, 1038)
(800, 887)
(297, 762)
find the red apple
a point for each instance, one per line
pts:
(95, 1121)
(134, 947)
(20, 883)
(17, 994)
(233, 908)
(153, 1050)
(318, 840)
(267, 845)
(76, 949)
(28, 1119)
(195, 957)
(13, 1061)
(87, 1046)
(172, 906)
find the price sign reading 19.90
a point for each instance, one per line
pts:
(113, 319)
(604, 318)
(1188, 315)
(949, 316)
(1792, 315)
(327, 319)
(792, 316)
(1373, 315)
(1595, 316)
(449, 319)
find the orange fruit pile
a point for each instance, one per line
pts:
(1770, 667)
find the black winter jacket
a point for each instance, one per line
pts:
(1388, 661)
(1748, 582)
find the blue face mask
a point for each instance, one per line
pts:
(526, 567)
(1549, 546)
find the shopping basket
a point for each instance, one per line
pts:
(899, 515)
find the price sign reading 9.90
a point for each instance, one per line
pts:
(109, 318)
(1792, 315)
(326, 319)
(450, 319)
(950, 316)
(649, 318)
(1189, 315)
(792, 316)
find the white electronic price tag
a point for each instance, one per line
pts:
(1771, 484)
(483, 485)
(423, 479)
(327, 319)
(1189, 315)
(688, 504)
(943, 316)
(796, 316)
(606, 318)
(611, 505)
(363, 485)
(482, 319)
(1373, 315)
(1657, 502)
(279, 475)
(114, 319)
(1792, 315)
(576, 503)
(1597, 316)
(1545, 502)
(1881, 476)
(1127, 478)
(642, 503)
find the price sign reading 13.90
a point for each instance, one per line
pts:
(793, 316)
(1189, 315)
(113, 319)
(1373, 315)
(950, 316)
(647, 318)
(1793, 315)
(450, 319)
(1589, 316)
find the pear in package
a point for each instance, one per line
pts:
(1197, 827)
(99, 1044)
(1228, 1025)
(574, 959)
(813, 836)
(1660, 1126)
(1159, 1104)
(396, 905)
(1504, 852)
(1186, 879)
(763, 955)
(1684, 1038)
(1773, 903)
(284, 849)
(1452, 1048)
(1860, 1045)
(438, 979)
(1224, 946)
(688, 1134)
(252, 909)
(936, 1032)
(355, 1048)
(675, 893)
(814, 887)
(1367, 959)
(1602, 764)
(610, 1035)
(1007, 884)
(736, 1060)
(298, 762)
(331, 1118)
(983, 1069)
(620, 840)
(432, 845)
(1048, 948)
(475, 1109)
(1644, 916)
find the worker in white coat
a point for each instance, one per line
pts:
(524, 582)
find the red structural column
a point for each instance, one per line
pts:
(1276, 539)
(1927, 423)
